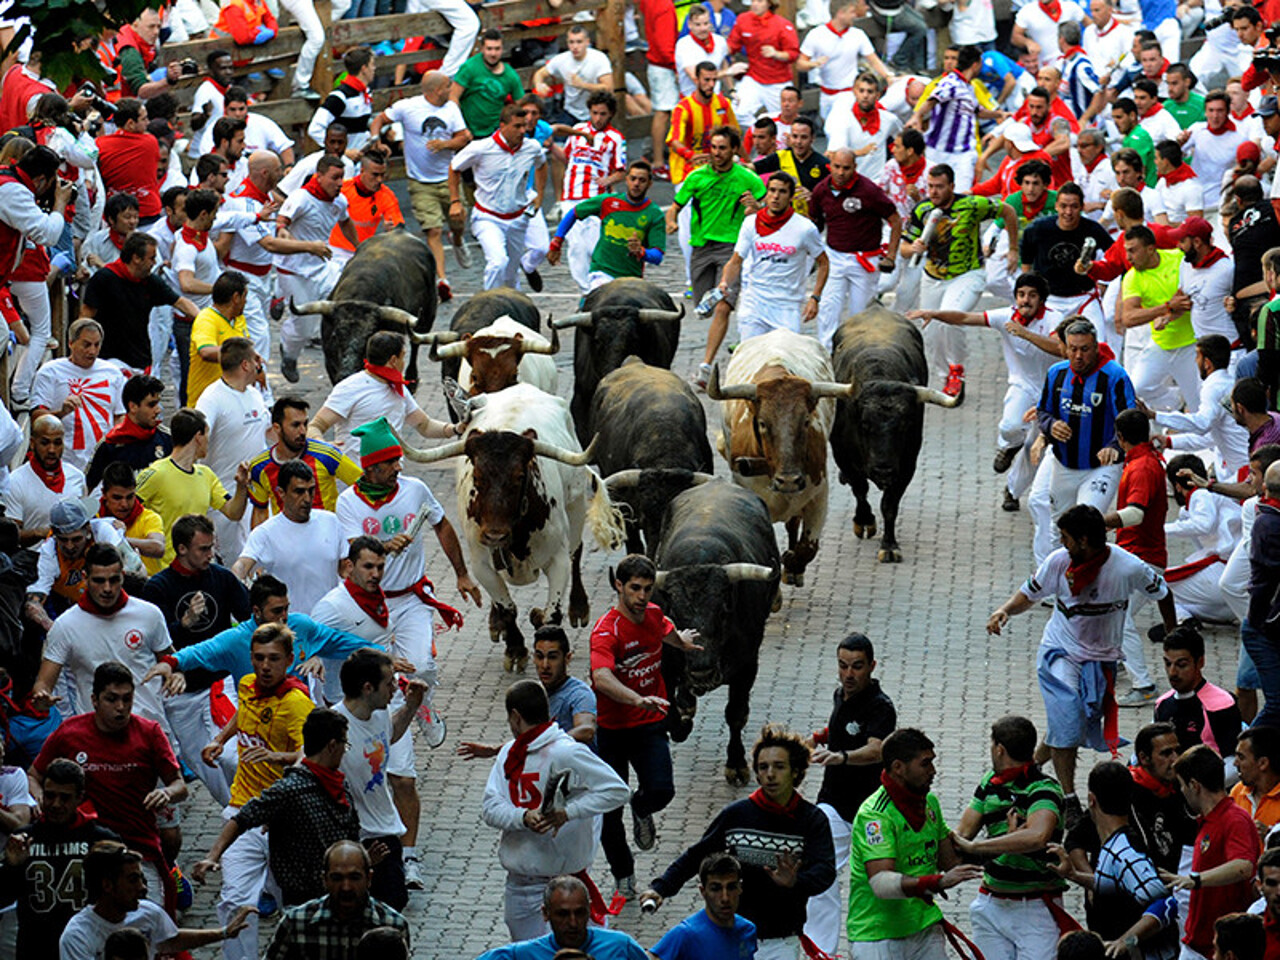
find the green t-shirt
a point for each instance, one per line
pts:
(485, 94)
(1187, 113)
(1157, 286)
(1138, 139)
(1016, 872)
(1015, 200)
(620, 220)
(1268, 325)
(880, 832)
(955, 248)
(717, 212)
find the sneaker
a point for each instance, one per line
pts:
(646, 834)
(1010, 503)
(444, 291)
(700, 377)
(955, 382)
(186, 893)
(267, 905)
(462, 255)
(625, 887)
(662, 173)
(288, 367)
(688, 293)
(277, 308)
(413, 874)
(1004, 459)
(432, 725)
(1074, 812)
(305, 93)
(1137, 697)
(535, 280)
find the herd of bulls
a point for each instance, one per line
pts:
(526, 490)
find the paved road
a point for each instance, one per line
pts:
(962, 557)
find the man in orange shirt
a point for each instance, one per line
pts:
(370, 202)
(1258, 763)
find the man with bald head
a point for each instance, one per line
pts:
(433, 132)
(42, 481)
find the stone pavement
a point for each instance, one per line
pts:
(962, 557)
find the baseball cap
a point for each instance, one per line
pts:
(1269, 107)
(1019, 134)
(1248, 151)
(68, 516)
(1194, 227)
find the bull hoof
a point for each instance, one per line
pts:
(864, 531)
(736, 776)
(538, 617)
(777, 602)
(794, 577)
(515, 662)
(889, 555)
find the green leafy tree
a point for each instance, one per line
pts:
(67, 31)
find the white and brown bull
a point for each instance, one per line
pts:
(778, 396)
(525, 493)
(499, 355)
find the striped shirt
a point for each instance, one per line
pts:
(951, 122)
(1079, 81)
(1089, 406)
(1125, 886)
(1028, 793)
(691, 124)
(590, 156)
(326, 461)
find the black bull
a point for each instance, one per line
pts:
(625, 317)
(877, 432)
(390, 284)
(481, 310)
(717, 574)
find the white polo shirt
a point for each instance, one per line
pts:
(842, 50)
(1027, 364)
(310, 218)
(690, 53)
(304, 555)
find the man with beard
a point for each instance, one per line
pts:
(42, 481)
(1051, 247)
(327, 462)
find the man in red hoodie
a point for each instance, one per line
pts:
(771, 47)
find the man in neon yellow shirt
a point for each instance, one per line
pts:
(213, 325)
(902, 857)
(1150, 295)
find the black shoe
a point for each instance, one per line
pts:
(535, 281)
(1074, 812)
(646, 834)
(1004, 459)
(1155, 633)
(1010, 503)
(288, 367)
(277, 308)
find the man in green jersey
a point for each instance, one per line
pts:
(1124, 112)
(632, 229)
(722, 193)
(902, 856)
(1184, 103)
(484, 85)
(1017, 913)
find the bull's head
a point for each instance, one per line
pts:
(390, 316)
(887, 412)
(618, 329)
(494, 360)
(783, 409)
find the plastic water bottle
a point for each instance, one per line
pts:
(708, 302)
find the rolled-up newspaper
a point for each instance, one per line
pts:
(926, 237)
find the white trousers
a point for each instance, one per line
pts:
(304, 15)
(779, 948)
(1057, 488)
(1087, 305)
(1234, 581)
(537, 241)
(944, 345)
(522, 907)
(191, 720)
(850, 287)
(1200, 595)
(246, 872)
(295, 332)
(754, 96)
(684, 233)
(1132, 647)
(579, 243)
(1013, 431)
(1169, 34)
(962, 163)
(758, 315)
(466, 27)
(1013, 929)
(828, 909)
(1153, 364)
(503, 243)
(33, 297)
(904, 283)
(928, 944)
(258, 323)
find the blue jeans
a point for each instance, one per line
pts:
(1265, 653)
(644, 749)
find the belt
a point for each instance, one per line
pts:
(1064, 921)
(1187, 570)
(501, 216)
(832, 91)
(257, 269)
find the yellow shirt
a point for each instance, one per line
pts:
(173, 492)
(1155, 287)
(148, 522)
(209, 330)
(273, 722)
(985, 100)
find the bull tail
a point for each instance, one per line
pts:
(604, 517)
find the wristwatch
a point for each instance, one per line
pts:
(1195, 880)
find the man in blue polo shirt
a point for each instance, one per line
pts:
(715, 932)
(568, 907)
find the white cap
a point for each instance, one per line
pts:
(1019, 134)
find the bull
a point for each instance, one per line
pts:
(627, 316)
(390, 284)
(717, 573)
(501, 354)
(525, 494)
(778, 394)
(651, 443)
(481, 310)
(879, 425)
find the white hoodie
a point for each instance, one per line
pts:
(593, 789)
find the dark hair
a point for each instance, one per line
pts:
(266, 587)
(1132, 426)
(1202, 765)
(136, 389)
(102, 555)
(554, 633)
(321, 728)
(803, 121)
(1182, 70)
(236, 93)
(234, 351)
(288, 402)
(1218, 96)
(1149, 87)
(1250, 393)
(163, 106)
(641, 164)
(1184, 461)
(362, 543)
(104, 863)
(1171, 150)
(905, 744)
(202, 201)
(111, 673)
(209, 165)
(185, 426)
(356, 59)
(1264, 742)
(159, 128)
(1144, 742)
(857, 643)
(328, 162)
(729, 133)
(491, 34)
(720, 864)
(967, 57)
(1270, 857)
(272, 633)
(1071, 189)
(605, 98)
(1240, 934)
(529, 699)
(292, 470)
(943, 170)
(127, 943)
(1216, 349)
(226, 128)
(1112, 786)
(118, 204)
(775, 735)
(706, 66)
(1125, 105)
(634, 565)
(135, 246)
(1084, 522)
(1185, 637)
(1039, 91)
(363, 666)
(128, 109)
(1032, 279)
(170, 197)
(382, 346)
(213, 56)
(186, 527)
(787, 180)
(766, 125)
(67, 772)
(117, 473)
(382, 943)
(229, 283)
(1017, 735)
(1142, 233)
(1266, 455)
(1035, 168)
(1081, 945)
(912, 139)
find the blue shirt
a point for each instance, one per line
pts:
(699, 938)
(228, 651)
(1156, 12)
(995, 67)
(573, 696)
(721, 23)
(540, 133)
(1089, 407)
(601, 944)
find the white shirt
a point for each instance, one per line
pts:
(304, 168)
(1027, 364)
(359, 518)
(895, 97)
(1162, 126)
(974, 24)
(260, 133)
(775, 268)
(205, 93)
(11, 438)
(28, 501)
(1211, 156)
(690, 53)
(593, 67)
(304, 555)
(894, 183)
(1180, 197)
(238, 216)
(337, 609)
(47, 565)
(1043, 30)
(85, 935)
(79, 641)
(422, 121)
(501, 174)
(842, 50)
(1211, 426)
(1212, 522)
(1094, 182)
(98, 388)
(1095, 629)
(844, 130)
(310, 218)
(203, 263)
(238, 425)
(360, 398)
(365, 767)
(1106, 47)
(1206, 286)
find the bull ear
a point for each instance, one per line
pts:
(751, 466)
(531, 433)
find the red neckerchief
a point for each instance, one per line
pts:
(126, 431)
(372, 602)
(216, 85)
(709, 45)
(767, 223)
(1013, 774)
(126, 36)
(333, 781)
(1143, 778)
(513, 766)
(870, 121)
(361, 190)
(1105, 355)
(312, 187)
(90, 607)
(1178, 174)
(54, 481)
(123, 272)
(497, 138)
(1225, 128)
(1072, 51)
(197, 238)
(1090, 167)
(1271, 502)
(1052, 9)
(1080, 378)
(279, 690)
(1248, 111)
(128, 521)
(250, 189)
(117, 238)
(1111, 25)
(838, 33)
(393, 376)
(1210, 258)
(911, 172)
(768, 806)
(1038, 315)
(914, 807)
(1080, 575)
(1031, 212)
(359, 86)
(1152, 110)
(181, 569)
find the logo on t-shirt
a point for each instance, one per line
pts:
(133, 639)
(875, 833)
(82, 758)
(851, 204)
(853, 728)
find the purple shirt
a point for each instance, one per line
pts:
(951, 121)
(1269, 432)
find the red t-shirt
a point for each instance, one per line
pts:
(633, 651)
(751, 33)
(120, 770)
(1226, 833)
(18, 89)
(660, 32)
(128, 163)
(1142, 484)
(1272, 928)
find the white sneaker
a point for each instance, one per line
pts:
(462, 254)
(432, 725)
(413, 874)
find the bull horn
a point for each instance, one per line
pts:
(396, 315)
(735, 391)
(433, 455)
(452, 350)
(546, 349)
(700, 478)
(543, 449)
(650, 315)
(823, 389)
(572, 320)
(659, 578)
(439, 336)
(929, 395)
(322, 307)
(622, 480)
(756, 572)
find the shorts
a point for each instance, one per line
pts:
(1074, 698)
(664, 91)
(705, 265)
(430, 203)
